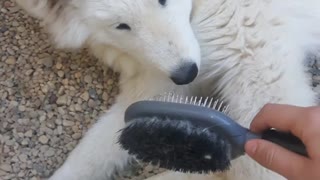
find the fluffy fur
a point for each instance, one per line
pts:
(252, 53)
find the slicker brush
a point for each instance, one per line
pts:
(190, 134)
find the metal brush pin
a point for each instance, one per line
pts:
(208, 102)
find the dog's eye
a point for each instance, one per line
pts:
(163, 2)
(123, 26)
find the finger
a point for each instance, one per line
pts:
(310, 137)
(276, 158)
(285, 118)
(303, 122)
(310, 133)
(313, 149)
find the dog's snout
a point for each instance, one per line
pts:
(185, 74)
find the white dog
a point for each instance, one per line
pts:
(246, 52)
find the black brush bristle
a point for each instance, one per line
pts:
(176, 145)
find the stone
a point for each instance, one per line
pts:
(85, 96)
(11, 60)
(15, 23)
(6, 167)
(44, 89)
(78, 108)
(22, 108)
(25, 142)
(58, 65)
(61, 74)
(29, 133)
(2, 173)
(62, 100)
(52, 99)
(92, 93)
(59, 130)
(67, 123)
(88, 79)
(62, 110)
(50, 152)
(43, 139)
(23, 157)
(42, 118)
(47, 61)
(29, 72)
(21, 29)
(91, 103)
(105, 96)
(58, 121)
(76, 136)
(50, 124)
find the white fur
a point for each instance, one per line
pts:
(252, 53)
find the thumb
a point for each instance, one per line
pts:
(276, 158)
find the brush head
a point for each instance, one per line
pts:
(176, 145)
(190, 135)
(182, 134)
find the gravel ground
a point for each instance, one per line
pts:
(49, 98)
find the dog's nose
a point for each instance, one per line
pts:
(185, 74)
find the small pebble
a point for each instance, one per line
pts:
(23, 157)
(29, 133)
(76, 136)
(11, 60)
(105, 96)
(91, 103)
(25, 142)
(92, 93)
(85, 96)
(67, 123)
(43, 139)
(61, 74)
(29, 72)
(62, 100)
(22, 108)
(60, 130)
(50, 152)
(5, 167)
(58, 65)
(78, 107)
(88, 79)
(15, 23)
(47, 61)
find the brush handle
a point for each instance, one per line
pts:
(285, 140)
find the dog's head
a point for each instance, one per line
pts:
(157, 33)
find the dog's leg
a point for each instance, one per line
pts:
(97, 155)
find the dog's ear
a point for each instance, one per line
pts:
(61, 19)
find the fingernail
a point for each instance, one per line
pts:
(251, 147)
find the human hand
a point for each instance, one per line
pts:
(303, 122)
